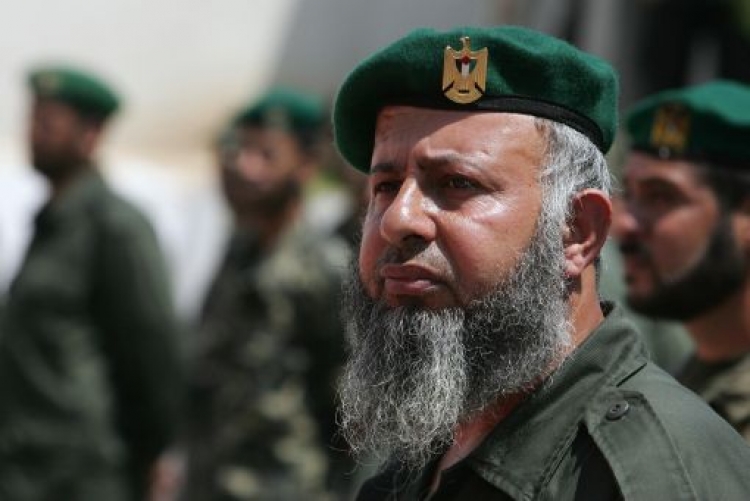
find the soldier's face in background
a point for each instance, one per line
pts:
(60, 139)
(681, 257)
(265, 170)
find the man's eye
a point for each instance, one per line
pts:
(460, 183)
(385, 187)
(268, 154)
(660, 197)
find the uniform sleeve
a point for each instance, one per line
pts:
(136, 319)
(321, 331)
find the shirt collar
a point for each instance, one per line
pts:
(523, 448)
(72, 201)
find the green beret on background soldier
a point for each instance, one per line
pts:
(685, 232)
(262, 384)
(89, 372)
(481, 363)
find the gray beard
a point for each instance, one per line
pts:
(414, 374)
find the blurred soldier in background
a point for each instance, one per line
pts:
(89, 375)
(262, 385)
(667, 343)
(685, 232)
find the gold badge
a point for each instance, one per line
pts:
(671, 128)
(464, 73)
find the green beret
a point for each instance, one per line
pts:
(506, 69)
(703, 122)
(284, 108)
(81, 90)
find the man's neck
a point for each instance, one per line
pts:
(269, 227)
(470, 434)
(723, 333)
(60, 185)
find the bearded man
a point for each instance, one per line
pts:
(482, 364)
(684, 232)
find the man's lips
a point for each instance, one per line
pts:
(408, 280)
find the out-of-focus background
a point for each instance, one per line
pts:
(182, 67)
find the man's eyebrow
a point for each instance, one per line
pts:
(657, 182)
(446, 159)
(434, 161)
(384, 167)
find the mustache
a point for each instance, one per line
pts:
(428, 256)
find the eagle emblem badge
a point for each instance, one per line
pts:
(464, 73)
(671, 128)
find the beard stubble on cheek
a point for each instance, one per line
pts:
(413, 373)
(717, 274)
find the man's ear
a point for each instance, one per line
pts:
(742, 225)
(586, 230)
(91, 132)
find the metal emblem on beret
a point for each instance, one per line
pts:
(671, 128)
(464, 73)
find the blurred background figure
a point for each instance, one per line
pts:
(684, 232)
(89, 371)
(667, 341)
(679, 33)
(262, 398)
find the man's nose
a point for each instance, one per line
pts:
(410, 217)
(626, 221)
(250, 164)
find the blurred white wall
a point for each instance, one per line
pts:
(182, 66)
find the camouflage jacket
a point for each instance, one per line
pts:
(725, 386)
(263, 378)
(89, 371)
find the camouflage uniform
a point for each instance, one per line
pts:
(725, 386)
(89, 377)
(262, 391)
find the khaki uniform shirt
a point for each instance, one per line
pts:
(607, 425)
(89, 373)
(726, 388)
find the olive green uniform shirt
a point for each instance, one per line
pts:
(725, 386)
(607, 425)
(89, 373)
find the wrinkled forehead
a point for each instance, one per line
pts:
(641, 167)
(484, 137)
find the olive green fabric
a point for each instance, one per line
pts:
(668, 343)
(725, 386)
(703, 122)
(89, 373)
(286, 109)
(608, 425)
(81, 89)
(527, 72)
(262, 385)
